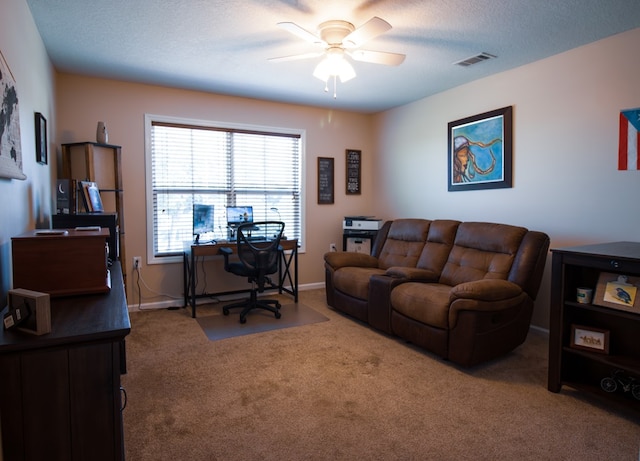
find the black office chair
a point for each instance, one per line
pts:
(258, 249)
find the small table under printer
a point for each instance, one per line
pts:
(359, 232)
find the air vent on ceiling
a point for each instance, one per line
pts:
(474, 59)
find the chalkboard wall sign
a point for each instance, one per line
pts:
(354, 158)
(325, 180)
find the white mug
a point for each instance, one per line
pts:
(584, 295)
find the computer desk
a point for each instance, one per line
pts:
(289, 255)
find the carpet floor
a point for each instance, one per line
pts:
(339, 390)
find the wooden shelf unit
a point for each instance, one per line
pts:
(102, 164)
(583, 369)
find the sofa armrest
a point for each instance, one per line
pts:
(380, 287)
(412, 274)
(490, 290)
(349, 259)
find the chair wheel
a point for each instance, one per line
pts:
(225, 311)
(243, 319)
(278, 315)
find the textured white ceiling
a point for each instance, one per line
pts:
(223, 46)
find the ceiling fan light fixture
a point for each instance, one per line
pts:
(334, 65)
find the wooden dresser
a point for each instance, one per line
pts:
(60, 393)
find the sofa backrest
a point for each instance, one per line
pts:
(440, 240)
(404, 243)
(528, 267)
(483, 251)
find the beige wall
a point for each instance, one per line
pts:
(565, 143)
(82, 101)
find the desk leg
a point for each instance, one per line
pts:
(189, 281)
(192, 263)
(295, 285)
(286, 273)
(185, 278)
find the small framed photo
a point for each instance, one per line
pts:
(41, 138)
(618, 292)
(91, 197)
(589, 339)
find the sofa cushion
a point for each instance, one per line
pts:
(440, 239)
(354, 281)
(404, 243)
(427, 303)
(482, 251)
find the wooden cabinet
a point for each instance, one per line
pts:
(585, 369)
(66, 264)
(61, 393)
(102, 164)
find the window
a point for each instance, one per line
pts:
(194, 162)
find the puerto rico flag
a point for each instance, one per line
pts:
(629, 144)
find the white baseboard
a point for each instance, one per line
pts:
(539, 329)
(180, 303)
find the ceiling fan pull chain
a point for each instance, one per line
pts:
(335, 86)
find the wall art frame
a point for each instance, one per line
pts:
(353, 172)
(617, 291)
(589, 339)
(480, 151)
(10, 148)
(42, 153)
(325, 180)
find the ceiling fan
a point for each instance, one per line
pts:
(339, 39)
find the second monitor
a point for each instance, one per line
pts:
(237, 215)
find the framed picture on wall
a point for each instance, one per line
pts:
(353, 169)
(479, 152)
(41, 138)
(325, 180)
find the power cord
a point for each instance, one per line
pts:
(141, 283)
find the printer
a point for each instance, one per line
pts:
(359, 232)
(361, 223)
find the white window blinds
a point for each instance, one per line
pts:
(192, 164)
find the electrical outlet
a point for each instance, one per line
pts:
(332, 247)
(137, 262)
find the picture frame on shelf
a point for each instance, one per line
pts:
(480, 151)
(589, 339)
(41, 139)
(91, 197)
(618, 291)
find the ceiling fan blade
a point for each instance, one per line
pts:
(297, 57)
(370, 29)
(298, 31)
(378, 57)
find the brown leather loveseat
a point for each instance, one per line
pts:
(463, 290)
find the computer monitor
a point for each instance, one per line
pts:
(237, 215)
(202, 220)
